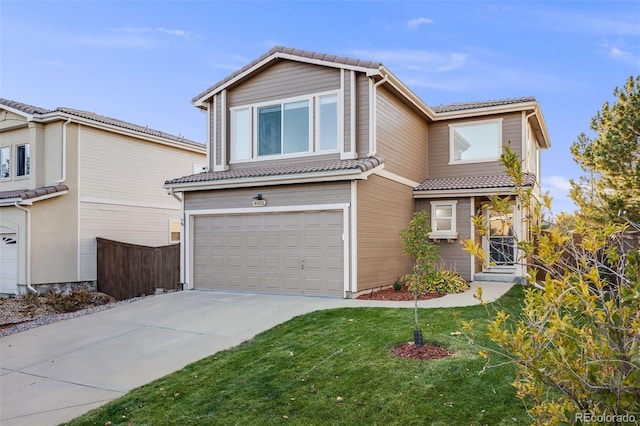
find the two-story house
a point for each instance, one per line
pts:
(69, 176)
(317, 161)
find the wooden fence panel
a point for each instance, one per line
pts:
(130, 270)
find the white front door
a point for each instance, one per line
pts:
(500, 244)
(8, 264)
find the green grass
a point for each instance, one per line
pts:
(334, 367)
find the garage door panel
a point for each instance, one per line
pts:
(291, 252)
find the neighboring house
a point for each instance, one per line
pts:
(69, 176)
(317, 161)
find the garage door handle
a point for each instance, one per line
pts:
(302, 264)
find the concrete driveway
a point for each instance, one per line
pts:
(54, 373)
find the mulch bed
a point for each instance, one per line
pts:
(403, 295)
(426, 351)
(408, 350)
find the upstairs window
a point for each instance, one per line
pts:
(23, 160)
(5, 162)
(475, 142)
(291, 127)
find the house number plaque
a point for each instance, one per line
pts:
(259, 203)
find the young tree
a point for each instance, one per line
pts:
(425, 256)
(611, 160)
(576, 344)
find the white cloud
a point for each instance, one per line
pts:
(625, 56)
(413, 24)
(558, 187)
(149, 30)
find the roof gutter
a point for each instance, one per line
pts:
(27, 246)
(373, 113)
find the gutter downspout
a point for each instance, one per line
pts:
(64, 152)
(372, 117)
(28, 246)
(183, 279)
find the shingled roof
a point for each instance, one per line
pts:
(463, 106)
(472, 182)
(26, 194)
(92, 116)
(342, 60)
(356, 165)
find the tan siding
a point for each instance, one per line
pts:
(129, 224)
(401, 137)
(384, 207)
(282, 195)
(362, 115)
(452, 255)
(117, 168)
(282, 80)
(283, 161)
(346, 107)
(438, 156)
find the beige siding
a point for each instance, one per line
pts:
(346, 107)
(452, 255)
(282, 195)
(121, 193)
(117, 168)
(283, 80)
(274, 162)
(129, 224)
(401, 137)
(438, 155)
(384, 207)
(362, 115)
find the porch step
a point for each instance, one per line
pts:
(495, 277)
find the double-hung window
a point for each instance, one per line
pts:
(23, 160)
(290, 127)
(5, 162)
(443, 220)
(476, 141)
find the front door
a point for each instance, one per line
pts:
(500, 243)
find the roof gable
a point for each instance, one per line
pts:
(279, 53)
(42, 114)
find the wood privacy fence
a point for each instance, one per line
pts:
(129, 270)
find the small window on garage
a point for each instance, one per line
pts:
(174, 231)
(443, 220)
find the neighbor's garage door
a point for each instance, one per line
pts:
(292, 252)
(8, 264)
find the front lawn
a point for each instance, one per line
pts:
(334, 367)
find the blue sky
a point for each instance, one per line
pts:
(143, 61)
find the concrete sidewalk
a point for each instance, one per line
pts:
(54, 373)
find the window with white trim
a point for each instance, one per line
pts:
(476, 141)
(290, 127)
(174, 230)
(23, 160)
(443, 220)
(5, 162)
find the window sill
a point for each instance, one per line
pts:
(449, 236)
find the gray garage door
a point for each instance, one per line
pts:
(293, 252)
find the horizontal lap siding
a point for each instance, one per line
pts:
(127, 224)
(401, 137)
(384, 207)
(118, 168)
(453, 256)
(362, 115)
(438, 156)
(282, 195)
(282, 80)
(121, 191)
